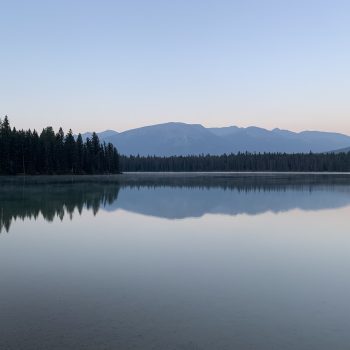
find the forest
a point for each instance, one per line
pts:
(281, 162)
(27, 152)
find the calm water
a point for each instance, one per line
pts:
(175, 262)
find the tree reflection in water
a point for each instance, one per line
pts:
(55, 197)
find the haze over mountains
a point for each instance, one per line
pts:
(342, 150)
(184, 139)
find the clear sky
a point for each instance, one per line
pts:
(95, 65)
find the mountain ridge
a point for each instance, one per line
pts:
(342, 150)
(177, 138)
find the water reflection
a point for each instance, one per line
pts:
(52, 200)
(119, 280)
(169, 196)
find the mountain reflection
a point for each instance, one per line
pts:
(169, 196)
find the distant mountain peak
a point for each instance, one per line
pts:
(178, 138)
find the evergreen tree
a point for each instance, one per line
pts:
(70, 152)
(25, 152)
(59, 152)
(79, 154)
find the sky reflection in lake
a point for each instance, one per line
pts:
(246, 263)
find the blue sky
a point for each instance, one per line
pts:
(95, 65)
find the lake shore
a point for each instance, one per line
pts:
(182, 178)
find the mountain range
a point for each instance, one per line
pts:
(176, 138)
(342, 150)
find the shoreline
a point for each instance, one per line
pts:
(163, 178)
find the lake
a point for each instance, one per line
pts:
(175, 261)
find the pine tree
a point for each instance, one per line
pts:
(70, 152)
(80, 154)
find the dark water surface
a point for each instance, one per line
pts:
(182, 261)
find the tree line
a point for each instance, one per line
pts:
(27, 152)
(283, 162)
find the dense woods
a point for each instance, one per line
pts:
(339, 162)
(27, 152)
